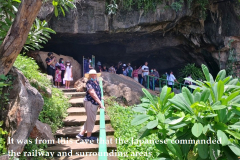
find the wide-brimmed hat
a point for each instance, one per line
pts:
(92, 71)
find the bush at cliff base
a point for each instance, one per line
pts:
(55, 108)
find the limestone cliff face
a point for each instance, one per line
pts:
(166, 38)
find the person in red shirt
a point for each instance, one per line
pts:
(135, 73)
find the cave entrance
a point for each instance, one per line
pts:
(163, 53)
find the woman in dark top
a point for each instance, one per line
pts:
(119, 68)
(50, 60)
(91, 103)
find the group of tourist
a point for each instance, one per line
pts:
(140, 74)
(92, 101)
(62, 74)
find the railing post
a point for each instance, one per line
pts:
(160, 84)
(102, 135)
(153, 84)
(147, 81)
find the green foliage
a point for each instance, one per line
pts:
(38, 34)
(30, 147)
(232, 59)
(177, 6)
(121, 122)
(112, 8)
(202, 8)
(5, 81)
(55, 108)
(195, 72)
(3, 144)
(212, 111)
(61, 5)
(151, 5)
(7, 14)
(30, 70)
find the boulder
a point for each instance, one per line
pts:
(21, 112)
(80, 84)
(40, 58)
(4, 157)
(124, 89)
(42, 131)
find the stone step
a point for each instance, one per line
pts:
(79, 120)
(84, 158)
(76, 102)
(71, 132)
(75, 94)
(68, 90)
(77, 146)
(74, 111)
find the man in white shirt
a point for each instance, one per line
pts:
(171, 79)
(145, 71)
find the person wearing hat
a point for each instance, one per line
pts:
(124, 70)
(91, 103)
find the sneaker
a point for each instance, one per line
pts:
(54, 86)
(91, 138)
(80, 137)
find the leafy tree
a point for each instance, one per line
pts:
(16, 24)
(196, 73)
(38, 34)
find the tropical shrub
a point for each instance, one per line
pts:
(8, 9)
(123, 130)
(30, 147)
(5, 81)
(39, 31)
(38, 34)
(54, 109)
(3, 140)
(204, 124)
(196, 72)
(61, 5)
(30, 70)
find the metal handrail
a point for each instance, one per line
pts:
(164, 80)
(102, 148)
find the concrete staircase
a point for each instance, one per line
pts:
(66, 141)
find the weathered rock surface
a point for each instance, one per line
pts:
(40, 58)
(166, 38)
(22, 111)
(42, 131)
(124, 89)
(46, 11)
(80, 84)
(4, 157)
